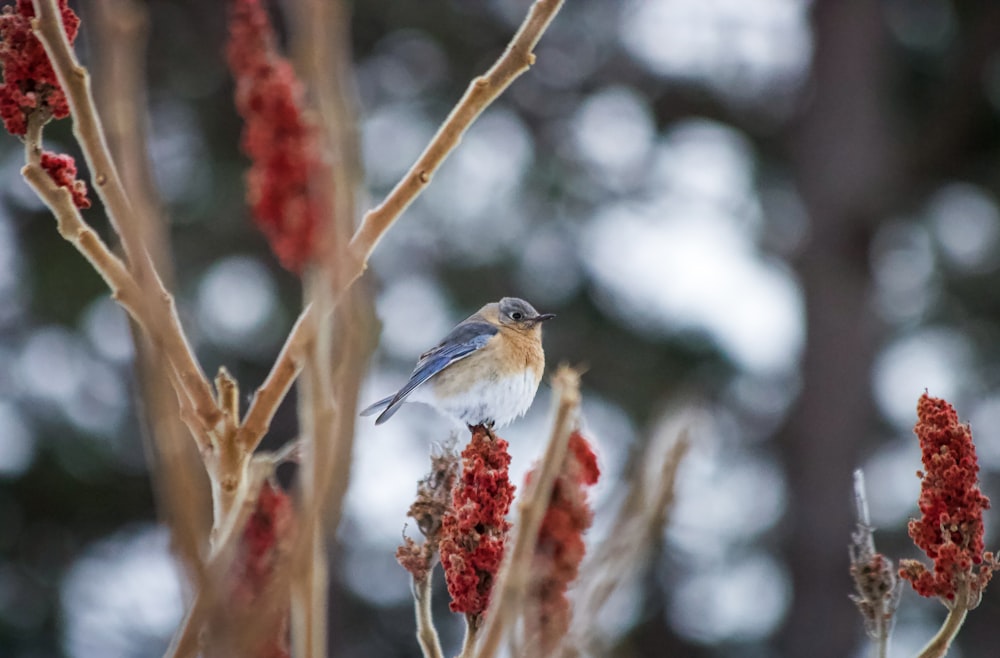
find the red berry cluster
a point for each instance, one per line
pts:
(62, 169)
(950, 529)
(560, 546)
(267, 534)
(474, 531)
(280, 141)
(29, 82)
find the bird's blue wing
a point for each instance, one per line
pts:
(464, 339)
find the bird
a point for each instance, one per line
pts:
(486, 371)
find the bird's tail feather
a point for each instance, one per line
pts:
(377, 407)
(393, 407)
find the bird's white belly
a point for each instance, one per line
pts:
(500, 400)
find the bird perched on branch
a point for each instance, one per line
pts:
(485, 372)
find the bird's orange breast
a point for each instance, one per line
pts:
(508, 353)
(521, 350)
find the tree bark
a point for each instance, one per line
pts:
(842, 156)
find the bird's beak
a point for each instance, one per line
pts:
(542, 317)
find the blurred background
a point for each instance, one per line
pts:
(786, 210)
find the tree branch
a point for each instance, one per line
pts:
(516, 59)
(286, 368)
(161, 321)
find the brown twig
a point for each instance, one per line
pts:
(269, 395)
(515, 573)
(161, 321)
(74, 230)
(940, 643)
(187, 640)
(309, 576)
(472, 628)
(121, 28)
(516, 59)
(427, 635)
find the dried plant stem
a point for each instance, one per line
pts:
(87, 128)
(940, 643)
(332, 374)
(121, 28)
(878, 588)
(286, 368)
(861, 507)
(160, 320)
(179, 482)
(309, 582)
(427, 635)
(641, 519)
(323, 44)
(323, 508)
(512, 581)
(73, 229)
(472, 628)
(187, 640)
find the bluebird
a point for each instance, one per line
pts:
(485, 372)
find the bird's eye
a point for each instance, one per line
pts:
(516, 315)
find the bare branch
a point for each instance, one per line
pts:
(187, 640)
(161, 321)
(516, 59)
(121, 29)
(284, 371)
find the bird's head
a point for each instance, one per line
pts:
(520, 315)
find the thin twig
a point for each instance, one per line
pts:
(427, 635)
(186, 642)
(72, 227)
(514, 575)
(286, 368)
(333, 370)
(121, 28)
(472, 627)
(877, 585)
(162, 322)
(940, 643)
(516, 59)
(861, 502)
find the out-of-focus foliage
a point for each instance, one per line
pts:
(785, 208)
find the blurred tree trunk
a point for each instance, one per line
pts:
(842, 157)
